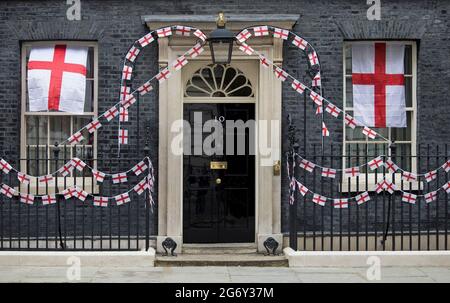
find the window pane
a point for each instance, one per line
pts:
(354, 134)
(348, 59)
(403, 134)
(88, 104)
(78, 123)
(408, 91)
(90, 63)
(408, 59)
(382, 131)
(36, 129)
(349, 92)
(403, 153)
(37, 161)
(59, 129)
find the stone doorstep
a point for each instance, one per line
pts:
(54, 259)
(360, 258)
(255, 259)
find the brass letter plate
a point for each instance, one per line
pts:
(218, 165)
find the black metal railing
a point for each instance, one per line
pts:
(384, 222)
(74, 224)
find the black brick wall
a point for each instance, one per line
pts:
(325, 24)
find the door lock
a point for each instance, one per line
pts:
(277, 168)
(218, 181)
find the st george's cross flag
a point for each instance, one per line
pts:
(379, 84)
(57, 78)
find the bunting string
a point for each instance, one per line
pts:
(373, 164)
(298, 86)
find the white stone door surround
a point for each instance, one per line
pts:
(268, 96)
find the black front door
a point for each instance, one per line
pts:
(218, 201)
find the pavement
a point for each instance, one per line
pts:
(110, 274)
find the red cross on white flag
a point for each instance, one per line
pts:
(124, 92)
(69, 193)
(98, 175)
(313, 59)
(369, 132)
(340, 203)
(132, 54)
(333, 110)
(81, 194)
(307, 165)
(93, 126)
(119, 178)
(316, 98)
(280, 74)
(27, 199)
(352, 172)
(146, 40)
(350, 121)
(446, 187)
(145, 88)
(362, 198)
(141, 187)
(23, 178)
(139, 168)
(298, 86)
(5, 166)
(430, 176)
(320, 200)
(389, 186)
(195, 50)
(376, 163)
(263, 60)
(328, 173)
(48, 199)
(317, 80)
(128, 102)
(183, 30)
(280, 33)
(199, 34)
(300, 42)
(76, 138)
(243, 36)
(380, 187)
(66, 169)
(391, 166)
(123, 115)
(180, 62)
(409, 177)
(261, 31)
(57, 78)
(431, 196)
(7, 191)
(101, 201)
(111, 113)
(409, 198)
(45, 179)
(123, 136)
(163, 75)
(325, 131)
(127, 72)
(246, 49)
(379, 84)
(164, 32)
(78, 164)
(122, 198)
(302, 188)
(446, 166)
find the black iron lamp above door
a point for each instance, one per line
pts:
(221, 42)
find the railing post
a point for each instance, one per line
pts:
(294, 147)
(147, 194)
(57, 196)
(392, 153)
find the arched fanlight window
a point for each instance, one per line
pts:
(218, 80)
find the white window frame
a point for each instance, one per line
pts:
(413, 109)
(25, 114)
